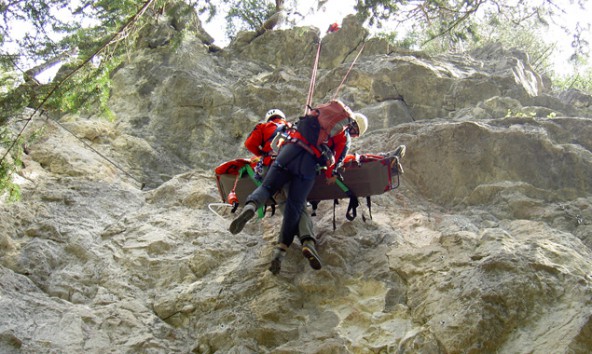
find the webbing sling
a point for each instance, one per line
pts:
(247, 168)
(369, 205)
(353, 200)
(353, 203)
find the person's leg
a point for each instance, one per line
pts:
(305, 227)
(279, 252)
(306, 236)
(275, 178)
(305, 169)
(293, 208)
(297, 193)
(309, 252)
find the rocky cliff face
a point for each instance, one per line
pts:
(485, 247)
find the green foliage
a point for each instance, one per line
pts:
(12, 190)
(51, 37)
(510, 113)
(9, 80)
(13, 101)
(240, 15)
(9, 167)
(205, 7)
(377, 12)
(247, 15)
(457, 28)
(522, 36)
(96, 49)
(581, 81)
(86, 91)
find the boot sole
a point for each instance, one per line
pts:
(239, 223)
(313, 258)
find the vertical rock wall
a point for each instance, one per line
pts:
(484, 248)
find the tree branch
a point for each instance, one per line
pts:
(131, 21)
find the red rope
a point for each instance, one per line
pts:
(313, 79)
(315, 68)
(347, 73)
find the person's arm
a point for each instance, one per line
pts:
(341, 155)
(254, 140)
(340, 145)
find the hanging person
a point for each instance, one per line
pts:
(259, 142)
(296, 164)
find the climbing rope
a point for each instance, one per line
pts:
(313, 79)
(141, 184)
(315, 68)
(347, 73)
(334, 27)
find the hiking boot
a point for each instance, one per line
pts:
(309, 251)
(241, 220)
(276, 261)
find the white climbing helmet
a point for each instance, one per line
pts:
(274, 112)
(362, 122)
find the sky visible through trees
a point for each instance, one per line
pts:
(331, 11)
(335, 10)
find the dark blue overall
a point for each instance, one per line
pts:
(296, 166)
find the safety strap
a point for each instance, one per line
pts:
(351, 208)
(278, 128)
(315, 205)
(369, 205)
(353, 200)
(247, 168)
(300, 141)
(335, 202)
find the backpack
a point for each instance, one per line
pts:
(323, 122)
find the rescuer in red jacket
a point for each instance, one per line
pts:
(259, 141)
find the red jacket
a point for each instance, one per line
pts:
(340, 144)
(259, 141)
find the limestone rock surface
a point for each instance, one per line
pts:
(485, 247)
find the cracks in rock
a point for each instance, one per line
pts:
(402, 99)
(407, 109)
(353, 50)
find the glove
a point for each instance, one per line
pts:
(327, 155)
